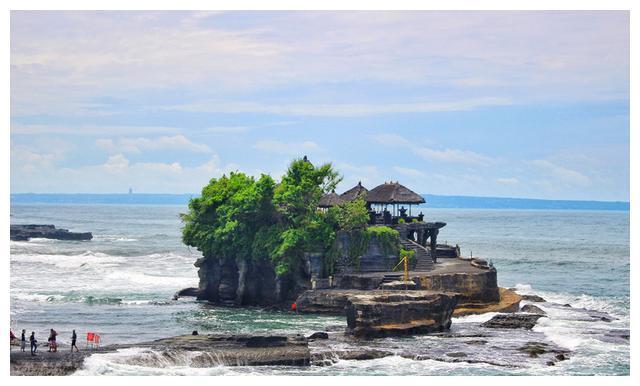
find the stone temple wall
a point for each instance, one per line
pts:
(474, 287)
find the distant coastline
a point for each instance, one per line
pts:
(433, 201)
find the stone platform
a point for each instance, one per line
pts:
(474, 284)
(377, 314)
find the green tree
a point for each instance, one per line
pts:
(231, 212)
(241, 218)
(352, 215)
(302, 227)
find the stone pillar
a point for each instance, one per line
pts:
(434, 241)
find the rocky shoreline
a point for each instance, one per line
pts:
(24, 232)
(505, 340)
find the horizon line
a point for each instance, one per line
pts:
(422, 194)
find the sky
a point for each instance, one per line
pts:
(477, 103)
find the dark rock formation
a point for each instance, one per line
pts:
(331, 302)
(246, 283)
(187, 292)
(474, 286)
(526, 321)
(533, 298)
(209, 350)
(28, 231)
(319, 335)
(536, 349)
(364, 355)
(531, 309)
(414, 312)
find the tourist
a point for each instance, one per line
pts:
(74, 337)
(23, 341)
(52, 340)
(294, 307)
(34, 343)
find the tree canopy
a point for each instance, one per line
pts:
(239, 217)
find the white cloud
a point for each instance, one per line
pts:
(116, 163)
(227, 129)
(562, 173)
(447, 155)
(118, 173)
(391, 139)
(90, 130)
(286, 148)
(451, 155)
(138, 145)
(480, 54)
(339, 110)
(409, 172)
(507, 180)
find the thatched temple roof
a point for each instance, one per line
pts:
(393, 193)
(330, 199)
(355, 192)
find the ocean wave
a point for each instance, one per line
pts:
(616, 306)
(89, 299)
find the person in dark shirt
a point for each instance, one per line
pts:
(23, 341)
(74, 337)
(34, 343)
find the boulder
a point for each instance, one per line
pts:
(531, 309)
(187, 292)
(319, 335)
(415, 312)
(362, 355)
(526, 321)
(332, 302)
(533, 298)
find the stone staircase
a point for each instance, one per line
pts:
(422, 255)
(389, 277)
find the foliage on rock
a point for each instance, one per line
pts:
(242, 218)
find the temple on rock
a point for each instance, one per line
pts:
(391, 205)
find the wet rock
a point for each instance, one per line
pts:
(533, 298)
(531, 309)
(526, 321)
(534, 349)
(266, 341)
(28, 231)
(566, 305)
(361, 355)
(599, 316)
(414, 312)
(619, 334)
(318, 335)
(187, 292)
(477, 342)
(456, 354)
(550, 363)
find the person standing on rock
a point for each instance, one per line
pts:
(23, 341)
(34, 343)
(52, 340)
(74, 337)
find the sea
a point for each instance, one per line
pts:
(121, 283)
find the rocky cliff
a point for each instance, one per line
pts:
(248, 282)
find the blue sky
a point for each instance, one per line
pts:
(517, 104)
